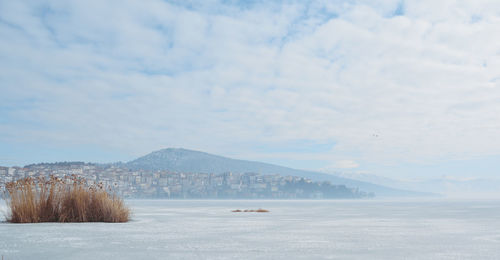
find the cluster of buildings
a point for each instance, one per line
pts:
(179, 185)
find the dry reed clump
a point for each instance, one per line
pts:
(251, 210)
(70, 199)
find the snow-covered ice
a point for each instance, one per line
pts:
(347, 229)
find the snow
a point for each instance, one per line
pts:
(291, 230)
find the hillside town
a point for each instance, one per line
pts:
(181, 185)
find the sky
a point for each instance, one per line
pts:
(401, 89)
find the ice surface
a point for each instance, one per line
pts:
(292, 230)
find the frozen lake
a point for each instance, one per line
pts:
(292, 230)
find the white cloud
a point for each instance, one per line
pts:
(345, 164)
(138, 77)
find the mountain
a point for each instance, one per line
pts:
(183, 160)
(471, 187)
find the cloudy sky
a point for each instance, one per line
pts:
(403, 89)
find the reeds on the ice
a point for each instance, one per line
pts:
(68, 199)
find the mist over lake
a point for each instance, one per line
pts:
(336, 229)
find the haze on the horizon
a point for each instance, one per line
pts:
(401, 89)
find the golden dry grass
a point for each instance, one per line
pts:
(69, 199)
(251, 210)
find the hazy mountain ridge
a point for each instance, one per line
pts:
(452, 187)
(183, 160)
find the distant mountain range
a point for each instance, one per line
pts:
(183, 160)
(446, 185)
